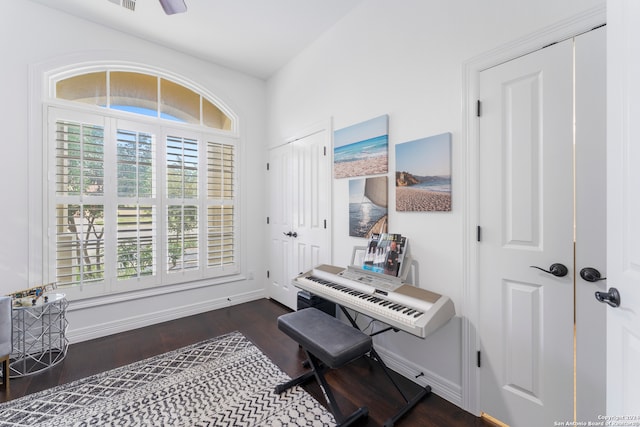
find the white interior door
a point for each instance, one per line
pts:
(591, 216)
(300, 186)
(526, 215)
(526, 316)
(280, 223)
(311, 201)
(623, 211)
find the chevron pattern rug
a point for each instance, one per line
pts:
(224, 381)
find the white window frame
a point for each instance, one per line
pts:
(201, 276)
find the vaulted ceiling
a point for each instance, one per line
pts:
(256, 37)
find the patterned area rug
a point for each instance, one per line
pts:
(225, 381)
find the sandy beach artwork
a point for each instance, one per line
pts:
(368, 206)
(362, 149)
(423, 174)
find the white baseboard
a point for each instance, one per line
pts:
(89, 332)
(440, 386)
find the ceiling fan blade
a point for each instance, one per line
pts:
(173, 6)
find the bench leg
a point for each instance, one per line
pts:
(302, 379)
(318, 370)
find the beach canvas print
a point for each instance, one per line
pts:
(423, 174)
(368, 206)
(362, 149)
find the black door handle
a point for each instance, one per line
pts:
(291, 234)
(558, 270)
(590, 274)
(612, 297)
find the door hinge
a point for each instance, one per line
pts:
(325, 224)
(267, 166)
(478, 233)
(478, 359)
(267, 220)
(267, 274)
(325, 150)
(478, 108)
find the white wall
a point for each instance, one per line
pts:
(405, 59)
(35, 37)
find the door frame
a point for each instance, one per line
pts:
(470, 162)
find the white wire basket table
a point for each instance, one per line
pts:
(39, 335)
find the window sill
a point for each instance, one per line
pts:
(78, 300)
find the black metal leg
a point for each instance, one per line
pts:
(294, 382)
(331, 401)
(385, 369)
(410, 403)
(341, 420)
(317, 371)
(409, 406)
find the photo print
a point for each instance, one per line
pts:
(362, 149)
(423, 174)
(368, 206)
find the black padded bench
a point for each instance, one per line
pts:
(328, 343)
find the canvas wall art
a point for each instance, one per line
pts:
(423, 174)
(362, 149)
(368, 206)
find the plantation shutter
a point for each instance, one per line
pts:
(79, 207)
(130, 208)
(136, 219)
(182, 209)
(220, 205)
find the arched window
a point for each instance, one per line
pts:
(145, 182)
(145, 94)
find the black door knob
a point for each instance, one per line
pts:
(590, 274)
(558, 270)
(612, 297)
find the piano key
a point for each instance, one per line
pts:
(398, 311)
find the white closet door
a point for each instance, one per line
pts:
(300, 190)
(526, 320)
(623, 211)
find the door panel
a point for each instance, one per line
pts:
(280, 223)
(300, 185)
(310, 188)
(526, 214)
(523, 339)
(623, 209)
(591, 178)
(521, 145)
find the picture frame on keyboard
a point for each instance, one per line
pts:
(357, 258)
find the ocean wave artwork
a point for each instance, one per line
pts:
(440, 184)
(362, 149)
(373, 147)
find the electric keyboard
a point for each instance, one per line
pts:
(413, 310)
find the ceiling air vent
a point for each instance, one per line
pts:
(129, 4)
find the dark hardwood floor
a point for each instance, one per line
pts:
(361, 383)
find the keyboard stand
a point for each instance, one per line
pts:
(410, 403)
